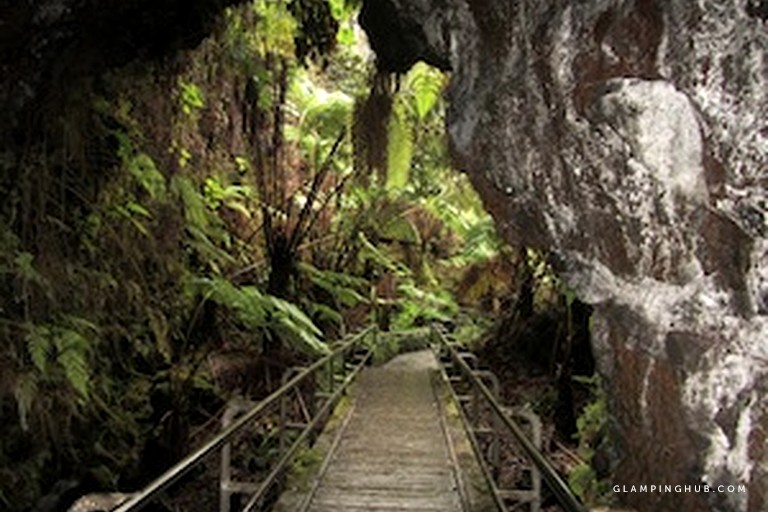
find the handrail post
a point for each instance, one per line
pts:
(542, 469)
(225, 494)
(471, 360)
(496, 423)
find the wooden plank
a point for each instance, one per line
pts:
(393, 455)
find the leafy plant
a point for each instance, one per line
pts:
(591, 435)
(63, 348)
(190, 97)
(257, 310)
(419, 307)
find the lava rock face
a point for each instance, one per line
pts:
(48, 47)
(629, 138)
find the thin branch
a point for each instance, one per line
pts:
(316, 214)
(299, 232)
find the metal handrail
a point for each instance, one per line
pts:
(267, 483)
(559, 488)
(164, 481)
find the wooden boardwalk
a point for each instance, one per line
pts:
(393, 454)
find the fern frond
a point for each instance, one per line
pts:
(425, 84)
(289, 310)
(399, 148)
(143, 168)
(73, 354)
(25, 392)
(342, 287)
(302, 339)
(324, 312)
(39, 346)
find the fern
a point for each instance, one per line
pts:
(286, 309)
(425, 85)
(373, 254)
(190, 97)
(344, 288)
(399, 148)
(25, 268)
(257, 310)
(402, 229)
(73, 353)
(419, 306)
(68, 347)
(203, 224)
(144, 170)
(39, 346)
(25, 392)
(195, 209)
(325, 312)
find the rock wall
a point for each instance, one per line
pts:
(47, 47)
(629, 138)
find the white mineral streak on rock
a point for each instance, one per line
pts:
(644, 393)
(757, 278)
(728, 381)
(659, 124)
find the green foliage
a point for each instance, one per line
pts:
(209, 236)
(62, 348)
(424, 85)
(399, 149)
(143, 168)
(234, 197)
(277, 28)
(401, 229)
(25, 392)
(419, 307)
(591, 434)
(322, 115)
(391, 344)
(481, 242)
(345, 289)
(415, 101)
(371, 253)
(257, 310)
(190, 97)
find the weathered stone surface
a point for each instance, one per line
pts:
(629, 137)
(48, 46)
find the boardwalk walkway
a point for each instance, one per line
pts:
(393, 454)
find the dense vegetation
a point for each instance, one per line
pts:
(189, 227)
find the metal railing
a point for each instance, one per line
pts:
(341, 367)
(457, 367)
